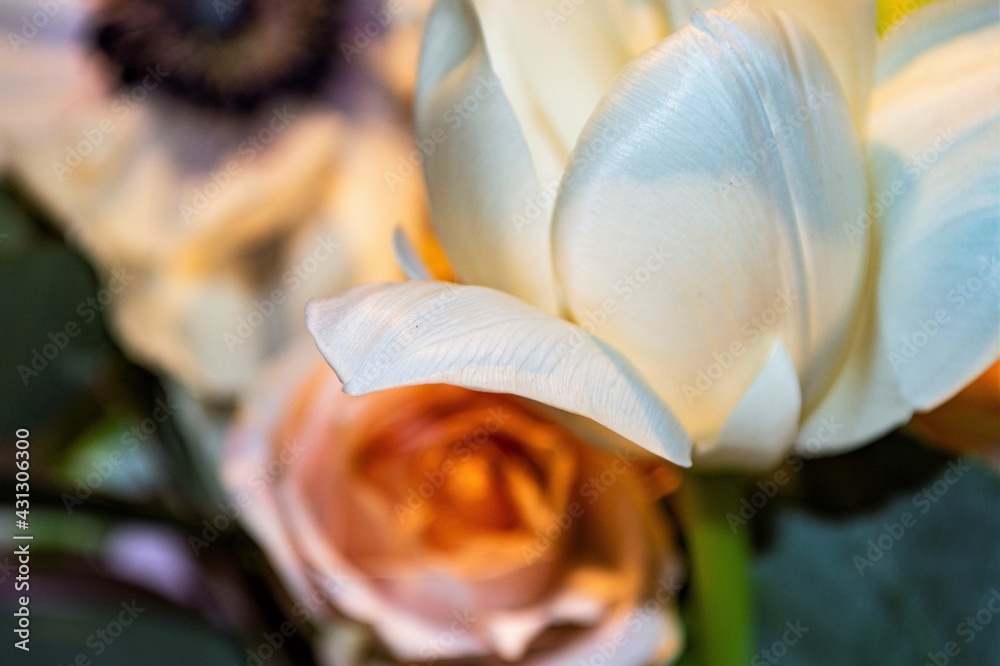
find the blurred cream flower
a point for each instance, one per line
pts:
(454, 524)
(756, 234)
(221, 153)
(392, 38)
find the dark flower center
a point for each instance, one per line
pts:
(226, 54)
(215, 19)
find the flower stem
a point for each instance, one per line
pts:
(720, 569)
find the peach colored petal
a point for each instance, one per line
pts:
(525, 544)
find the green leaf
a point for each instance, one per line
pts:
(16, 227)
(892, 578)
(54, 344)
(113, 458)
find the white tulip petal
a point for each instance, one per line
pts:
(680, 11)
(385, 335)
(929, 27)
(491, 213)
(407, 257)
(562, 56)
(760, 431)
(934, 131)
(701, 217)
(845, 31)
(863, 403)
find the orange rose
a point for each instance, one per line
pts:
(454, 524)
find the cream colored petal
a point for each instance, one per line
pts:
(394, 52)
(209, 313)
(845, 31)
(764, 425)
(194, 328)
(347, 240)
(491, 211)
(864, 401)
(400, 334)
(409, 260)
(680, 11)
(934, 132)
(560, 57)
(157, 177)
(701, 217)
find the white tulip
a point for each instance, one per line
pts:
(765, 232)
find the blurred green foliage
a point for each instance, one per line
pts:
(883, 554)
(93, 472)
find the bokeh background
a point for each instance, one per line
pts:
(126, 415)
